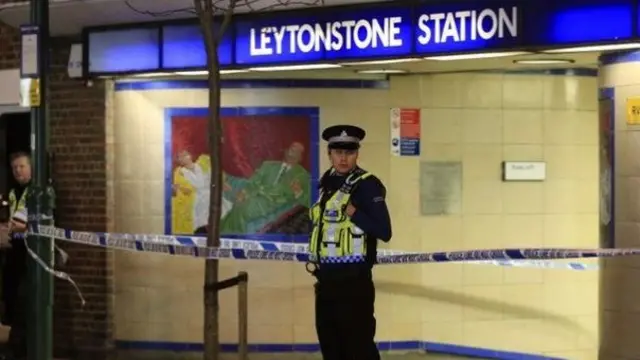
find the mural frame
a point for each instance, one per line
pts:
(314, 135)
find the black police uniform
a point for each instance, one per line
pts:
(345, 293)
(14, 285)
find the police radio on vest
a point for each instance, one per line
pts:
(467, 25)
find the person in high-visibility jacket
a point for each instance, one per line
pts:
(348, 219)
(14, 285)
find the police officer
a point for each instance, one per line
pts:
(14, 270)
(349, 218)
(14, 279)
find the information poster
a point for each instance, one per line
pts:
(405, 132)
(633, 111)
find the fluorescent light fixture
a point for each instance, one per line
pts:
(543, 61)
(237, 71)
(381, 62)
(594, 48)
(382, 71)
(475, 56)
(192, 73)
(296, 67)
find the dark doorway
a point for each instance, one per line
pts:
(15, 132)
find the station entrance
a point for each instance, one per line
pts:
(475, 153)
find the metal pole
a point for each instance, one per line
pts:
(40, 282)
(243, 316)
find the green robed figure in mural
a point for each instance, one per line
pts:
(275, 188)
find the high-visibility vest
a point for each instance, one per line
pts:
(18, 207)
(334, 238)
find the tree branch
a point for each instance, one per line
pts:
(220, 7)
(205, 17)
(226, 21)
(199, 10)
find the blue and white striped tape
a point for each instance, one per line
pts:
(239, 249)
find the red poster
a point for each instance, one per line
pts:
(405, 124)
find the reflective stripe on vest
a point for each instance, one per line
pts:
(334, 238)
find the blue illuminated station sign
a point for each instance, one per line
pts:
(366, 35)
(366, 32)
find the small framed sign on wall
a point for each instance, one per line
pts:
(633, 111)
(524, 171)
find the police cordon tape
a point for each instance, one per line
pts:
(238, 249)
(303, 248)
(59, 274)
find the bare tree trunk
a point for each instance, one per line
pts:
(205, 12)
(211, 301)
(211, 276)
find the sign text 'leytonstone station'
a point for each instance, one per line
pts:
(385, 32)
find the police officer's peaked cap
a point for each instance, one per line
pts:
(345, 137)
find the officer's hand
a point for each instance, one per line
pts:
(4, 236)
(350, 210)
(18, 227)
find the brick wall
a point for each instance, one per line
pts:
(9, 47)
(77, 118)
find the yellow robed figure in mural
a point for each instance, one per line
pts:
(191, 193)
(191, 189)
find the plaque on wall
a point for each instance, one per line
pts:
(440, 188)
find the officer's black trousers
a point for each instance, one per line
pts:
(345, 320)
(14, 284)
(18, 332)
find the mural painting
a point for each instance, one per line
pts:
(270, 171)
